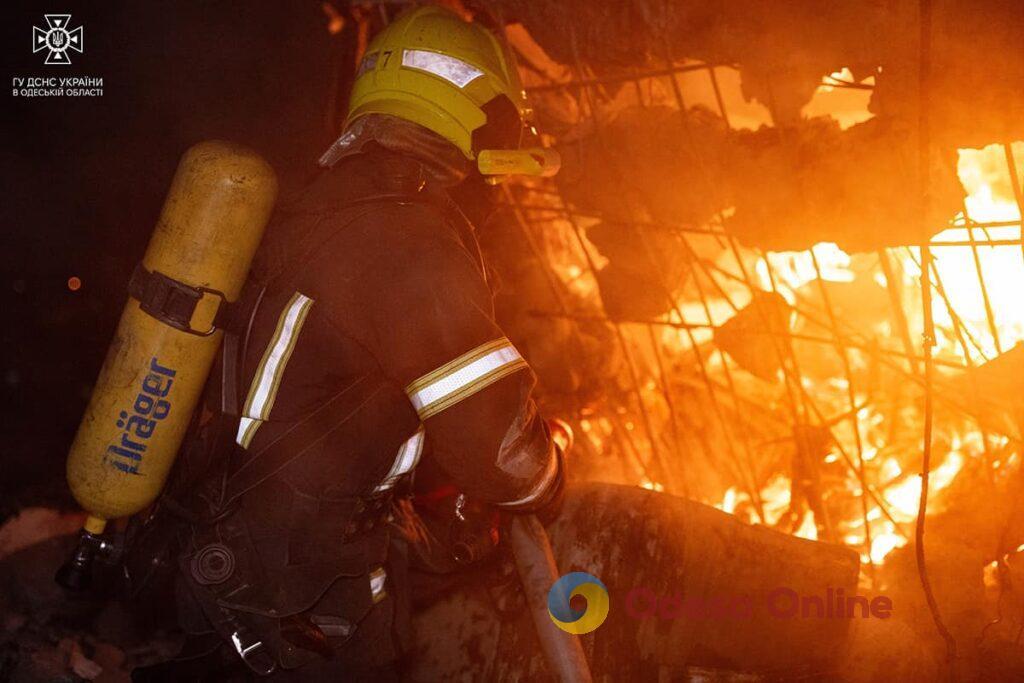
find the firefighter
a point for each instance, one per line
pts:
(367, 348)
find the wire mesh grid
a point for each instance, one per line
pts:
(827, 456)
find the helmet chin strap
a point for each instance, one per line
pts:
(440, 158)
(341, 147)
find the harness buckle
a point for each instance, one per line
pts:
(254, 654)
(170, 301)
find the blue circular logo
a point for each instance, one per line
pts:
(578, 621)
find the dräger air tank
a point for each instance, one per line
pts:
(157, 364)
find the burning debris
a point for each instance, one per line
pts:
(785, 387)
(783, 51)
(783, 188)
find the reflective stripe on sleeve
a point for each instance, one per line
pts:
(406, 460)
(463, 377)
(247, 427)
(378, 579)
(267, 379)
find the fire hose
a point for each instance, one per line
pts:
(535, 563)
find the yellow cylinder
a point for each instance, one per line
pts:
(211, 224)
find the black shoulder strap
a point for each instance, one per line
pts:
(240, 317)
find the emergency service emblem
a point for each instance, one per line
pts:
(58, 38)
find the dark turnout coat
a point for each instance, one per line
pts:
(372, 350)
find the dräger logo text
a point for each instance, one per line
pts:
(150, 406)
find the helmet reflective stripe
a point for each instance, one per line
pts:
(267, 379)
(449, 68)
(407, 458)
(466, 375)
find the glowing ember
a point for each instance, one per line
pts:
(884, 542)
(728, 503)
(335, 22)
(904, 497)
(808, 529)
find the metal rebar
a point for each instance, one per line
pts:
(583, 83)
(1018, 192)
(929, 329)
(851, 396)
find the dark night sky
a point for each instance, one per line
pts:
(84, 179)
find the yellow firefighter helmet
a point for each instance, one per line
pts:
(456, 79)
